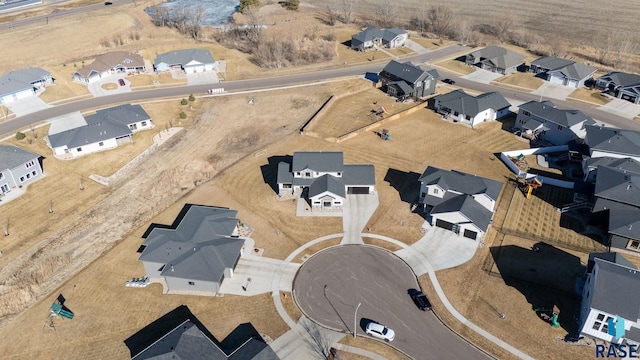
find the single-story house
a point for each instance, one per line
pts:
(609, 309)
(115, 62)
(590, 165)
(324, 179)
(104, 130)
(404, 80)
(372, 36)
(471, 110)
(18, 168)
(624, 86)
(190, 61)
(180, 335)
(545, 121)
(613, 142)
(561, 71)
(196, 253)
(23, 83)
(496, 59)
(459, 202)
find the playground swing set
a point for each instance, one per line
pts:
(57, 309)
(549, 315)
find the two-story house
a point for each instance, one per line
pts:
(612, 142)
(405, 80)
(18, 168)
(543, 120)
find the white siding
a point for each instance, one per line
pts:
(452, 217)
(485, 201)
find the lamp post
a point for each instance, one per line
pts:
(355, 319)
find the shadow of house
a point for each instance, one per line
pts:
(405, 183)
(270, 170)
(545, 275)
(179, 334)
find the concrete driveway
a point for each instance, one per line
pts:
(482, 76)
(415, 47)
(27, 105)
(554, 91)
(66, 122)
(623, 108)
(356, 213)
(331, 284)
(97, 90)
(255, 275)
(208, 77)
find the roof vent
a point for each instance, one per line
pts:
(172, 269)
(630, 226)
(628, 186)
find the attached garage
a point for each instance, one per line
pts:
(358, 190)
(470, 234)
(444, 224)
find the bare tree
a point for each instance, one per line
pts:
(386, 13)
(330, 14)
(442, 20)
(503, 25)
(346, 9)
(316, 340)
(255, 25)
(194, 21)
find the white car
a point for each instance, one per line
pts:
(380, 331)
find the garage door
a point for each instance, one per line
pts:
(358, 190)
(444, 224)
(470, 234)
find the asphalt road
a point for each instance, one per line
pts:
(378, 280)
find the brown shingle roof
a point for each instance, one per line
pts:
(110, 60)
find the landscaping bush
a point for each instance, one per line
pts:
(20, 136)
(183, 115)
(183, 102)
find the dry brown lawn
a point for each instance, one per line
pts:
(375, 346)
(520, 80)
(456, 66)
(590, 96)
(432, 44)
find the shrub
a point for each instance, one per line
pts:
(183, 102)
(20, 136)
(183, 115)
(192, 98)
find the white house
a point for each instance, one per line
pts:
(624, 86)
(21, 84)
(190, 61)
(104, 130)
(324, 179)
(561, 71)
(372, 36)
(459, 202)
(471, 110)
(18, 168)
(609, 308)
(543, 120)
(115, 62)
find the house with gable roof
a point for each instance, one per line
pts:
(196, 253)
(590, 166)
(115, 62)
(405, 80)
(458, 202)
(609, 309)
(372, 36)
(23, 83)
(623, 85)
(324, 179)
(613, 142)
(461, 107)
(18, 168)
(561, 71)
(543, 120)
(104, 130)
(189, 60)
(496, 59)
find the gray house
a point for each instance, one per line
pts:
(196, 253)
(190, 61)
(542, 120)
(323, 178)
(613, 142)
(561, 71)
(372, 36)
(23, 83)
(590, 165)
(624, 86)
(104, 130)
(18, 168)
(471, 110)
(405, 80)
(609, 309)
(457, 201)
(496, 59)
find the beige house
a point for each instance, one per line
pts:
(115, 62)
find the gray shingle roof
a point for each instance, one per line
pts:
(17, 81)
(617, 290)
(619, 141)
(327, 183)
(183, 57)
(625, 164)
(621, 79)
(531, 124)
(570, 68)
(499, 56)
(463, 103)
(359, 175)
(625, 223)
(617, 185)
(461, 182)
(406, 71)
(284, 173)
(467, 206)
(199, 247)
(103, 125)
(371, 33)
(548, 111)
(318, 161)
(404, 88)
(612, 257)
(12, 156)
(112, 60)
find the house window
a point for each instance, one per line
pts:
(79, 149)
(634, 245)
(526, 113)
(559, 127)
(339, 174)
(307, 174)
(21, 178)
(144, 123)
(423, 194)
(192, 283)
(298, 173)
(435, 191)
(286, 186)
(34, 173)
(29, 164)
(596, 325)
(1, 176)
(101, 143)
(28, 176)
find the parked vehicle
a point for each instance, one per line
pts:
(380, 331)
(108, 3)
(420, 299)
(121, 82)
(448, 81)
